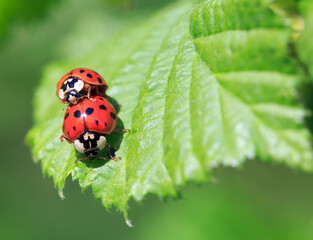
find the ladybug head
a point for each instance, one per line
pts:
(72, 96)
(93, 152)
(69, 91)
(90, 143)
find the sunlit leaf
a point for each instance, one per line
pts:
(200, 86)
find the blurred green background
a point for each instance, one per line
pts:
(259, 201)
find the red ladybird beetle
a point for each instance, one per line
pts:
(78, 83)
(87, 123)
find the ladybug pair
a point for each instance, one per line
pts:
(90, 116)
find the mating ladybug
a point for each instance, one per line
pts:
(87, 123)
(79, 83)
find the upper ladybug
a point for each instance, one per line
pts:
(79, 83)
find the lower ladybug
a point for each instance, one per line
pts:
(87, 123)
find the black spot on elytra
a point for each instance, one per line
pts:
(89, 111)
(81, 71)
(68, 133)
(74, 128)
(102, 107)
(89, 75)
(105, 124)
(77, 114)
(113, 115)
(99, 80)
(97, 122)
(66, 116)
(101, 98)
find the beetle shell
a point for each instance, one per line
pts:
(85, 75)
(96, 115)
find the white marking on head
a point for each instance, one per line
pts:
(79, 85)
(79, 146)
(61, 94)
(101, 142)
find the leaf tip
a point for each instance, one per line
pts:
(128, 223)
(61, 195)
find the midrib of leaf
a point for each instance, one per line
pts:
(179, 158)
(150, 174)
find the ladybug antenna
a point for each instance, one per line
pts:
(90, 159)
(85, 158)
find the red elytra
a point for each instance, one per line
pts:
(95, 115)
(88, 76)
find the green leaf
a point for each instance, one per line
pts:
(200, 86)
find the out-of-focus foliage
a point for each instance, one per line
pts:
(21, 10)
(199, 87)
(305, 44)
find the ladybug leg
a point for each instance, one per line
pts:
(102, 158)
(66, 107)
(108, 98)
(63, 137)
(88, 90)
(112, 153)
(117, 106)
(122, 130)
(89, 93)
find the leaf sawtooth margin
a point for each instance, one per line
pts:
(214, 85)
